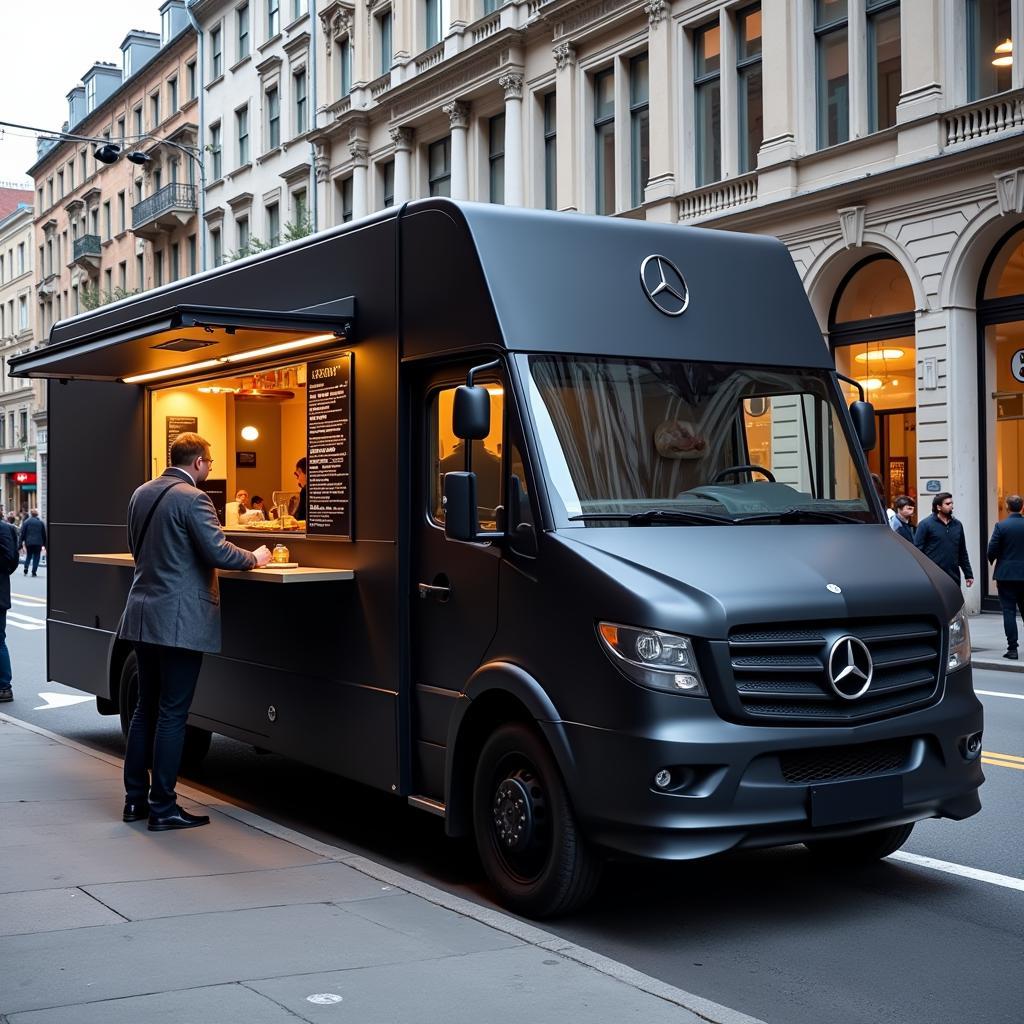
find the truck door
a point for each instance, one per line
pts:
(455, 586)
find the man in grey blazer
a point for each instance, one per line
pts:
(1006, 549)
(172, 617)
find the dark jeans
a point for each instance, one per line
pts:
(167, 683)
(32, 553)
(5, 657)
(1011, 599)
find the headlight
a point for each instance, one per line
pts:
(663, 661)
(959, 642)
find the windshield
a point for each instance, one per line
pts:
(642, 441)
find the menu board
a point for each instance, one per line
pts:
(179, 425)
(329, 440)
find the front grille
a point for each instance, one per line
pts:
(830, 763)
(782, 673)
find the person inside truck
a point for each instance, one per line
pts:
(300, 478)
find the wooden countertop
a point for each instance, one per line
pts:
(268, 574)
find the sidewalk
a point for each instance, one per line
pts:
(244, 920)
(988, 643)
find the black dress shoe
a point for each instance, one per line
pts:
(176, 818)
(135, 812)
(1011, 654)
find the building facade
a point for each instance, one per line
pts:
(22, 402)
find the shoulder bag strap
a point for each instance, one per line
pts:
(149, 514)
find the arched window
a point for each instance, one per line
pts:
(871, 331)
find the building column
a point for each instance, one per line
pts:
(857, 55)
(565, 125)
(661, 185)
(921, 33)
(729, 85)
(458, 118)
(360, 198)
(320, 215)
(514, 168)
(781, 64)
(402, 138)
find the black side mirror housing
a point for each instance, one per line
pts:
(471, 414)
(461, 517)
(863, 415)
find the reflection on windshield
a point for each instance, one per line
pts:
(695, 442)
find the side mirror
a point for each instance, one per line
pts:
(471, 415)
(461, 518)
(863, 415)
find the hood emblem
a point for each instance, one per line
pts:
(850, 668)
(663, 284)
(833, 588)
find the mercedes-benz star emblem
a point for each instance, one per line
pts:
(664, 285)
(850, 667)
(833, 588)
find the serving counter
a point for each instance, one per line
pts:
(268, 574)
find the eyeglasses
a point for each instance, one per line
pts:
(203, 458)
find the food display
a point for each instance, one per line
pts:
(278, 525)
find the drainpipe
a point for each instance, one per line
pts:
(200, 131)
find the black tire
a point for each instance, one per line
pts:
(861, 849)
(197, 741)
(526, 834)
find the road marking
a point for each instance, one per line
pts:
(20, 621)
(1003, 757)
(28, 604)
(29, 597)
(1003, 764)
(1006, 881)
(996, 693)
(60, 700)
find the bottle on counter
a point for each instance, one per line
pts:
(279, 554)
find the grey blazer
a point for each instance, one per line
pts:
(174, 599)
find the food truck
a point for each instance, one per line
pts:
(588, 562)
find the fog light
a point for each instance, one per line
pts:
(687, 682)
(663, 779)
(970, 746)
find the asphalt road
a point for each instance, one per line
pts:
(766, 932)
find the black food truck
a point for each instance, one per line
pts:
(583, 556)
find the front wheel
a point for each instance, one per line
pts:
(526, 833)
(197, 741)
(862, 849)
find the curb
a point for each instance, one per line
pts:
(996, 664)
(706, 1009)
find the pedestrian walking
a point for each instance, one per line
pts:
(33, 539)
(172, 617)
(9, 562)
(941, 538)
(1006, 551)
(901, 521)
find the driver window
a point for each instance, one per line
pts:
(448, 454)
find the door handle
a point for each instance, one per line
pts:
(430, 590)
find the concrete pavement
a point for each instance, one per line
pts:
(988, 643)
(246, 920)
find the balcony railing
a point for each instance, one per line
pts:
(86, 245)
(722, 195)
(172, 199)
(991, 116)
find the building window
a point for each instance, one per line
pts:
(121, 214)
(172, 94)
(989, 48)
(60, 184)
(120, 137)
(191, 254)
(158, 268)
(346, 200)
(496, 157)
(140, 274)
(387, 180)
(242, 126)
(90, 95)
(550, 152)
(154, 109)
(273, 224)
(165, 26)
(639, 128)
(122, 276)
(344, 66)
(242, 19)
(190, 79)
(273, 118)
(215, 152)
(432, 15)
(137, 128)
(831, 40)
(216, 246)
(439, 167)
(108, 227)
(299, 88)
(22, 313)
(175, 261)
(384, 35)
(751, 95)
(216, 53)
(299, 8)
(242, 232)
(273, 18)
(299, 207)
(707, 101)
(604, 140)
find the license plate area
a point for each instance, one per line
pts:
(835, 803)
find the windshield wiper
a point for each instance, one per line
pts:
(799, 515)
(658, 515)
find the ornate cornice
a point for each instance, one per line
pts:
(359, 151)
(586, 13)
(458, 114)
(401, 136)
(321, 161)
(565, 55)
(337, 20)
(656, 10)
(513, 85)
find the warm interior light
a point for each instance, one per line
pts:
(250, 434)
(171, 371)
(1003, 62)
(885, 353)
(217, 389)
(1006, 46)
(1005, 52)
(284, 346)
(870, 383)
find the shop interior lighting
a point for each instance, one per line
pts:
(171, 371)
(870, 383)
(284, 346)
(250, 434)
(1004, 54)
(883, 353)
(217, 389)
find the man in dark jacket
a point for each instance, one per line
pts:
(32, 539)
(901, 521)
(172, 617)
(1006, 550)
(941, 538)
(8, 563)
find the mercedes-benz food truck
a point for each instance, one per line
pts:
(582, 550)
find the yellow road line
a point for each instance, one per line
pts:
(1003, 764)
(1002, 757)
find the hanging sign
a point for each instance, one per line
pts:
(24, 478)
(1017, 365)
(329, 444)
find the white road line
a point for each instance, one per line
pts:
(20, 621)
(60, 700)
(1006, 881)
(996, 693)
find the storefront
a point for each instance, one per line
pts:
(20, 485)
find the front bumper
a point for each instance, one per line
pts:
(733, 792)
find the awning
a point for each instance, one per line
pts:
(181, 340)
(17, 467)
